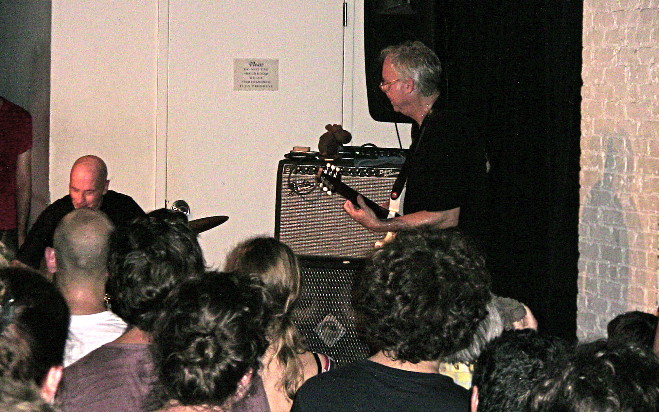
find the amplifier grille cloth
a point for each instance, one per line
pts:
(324, 315)
(315, 224)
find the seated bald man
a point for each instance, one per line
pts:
(88, 187)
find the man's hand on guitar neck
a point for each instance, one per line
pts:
(364, 215)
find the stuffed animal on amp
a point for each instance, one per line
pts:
(332, 140)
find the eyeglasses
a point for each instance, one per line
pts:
(384, 84)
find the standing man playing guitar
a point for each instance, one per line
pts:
(445, 171)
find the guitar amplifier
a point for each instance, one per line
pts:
(315, 224)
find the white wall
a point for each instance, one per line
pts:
(103, 92)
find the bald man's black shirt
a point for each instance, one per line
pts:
(118, 207)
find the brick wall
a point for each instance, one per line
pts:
(619, 194)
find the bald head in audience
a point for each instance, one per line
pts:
(78, 259)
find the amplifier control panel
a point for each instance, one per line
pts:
(346, 169)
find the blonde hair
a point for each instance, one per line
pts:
(279, 270)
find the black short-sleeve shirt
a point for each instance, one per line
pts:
(446, 168)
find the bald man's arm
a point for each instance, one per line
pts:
(41, 234)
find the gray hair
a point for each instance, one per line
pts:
(418, 62)
(488, 329)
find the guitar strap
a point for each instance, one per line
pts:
(399, 183)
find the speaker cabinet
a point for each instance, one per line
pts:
(323, 313)
(313, 223)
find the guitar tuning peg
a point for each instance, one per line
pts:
(329, 192)
(325, 189)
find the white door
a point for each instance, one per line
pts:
(218, 147)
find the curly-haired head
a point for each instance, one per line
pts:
(148, 257)
(34, 325)
(601, 377)
(279, 270)
(422, 295)
(635, 326)
(211, 333)
(415, 60)
(511, 364)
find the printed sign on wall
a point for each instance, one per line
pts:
(256, 74)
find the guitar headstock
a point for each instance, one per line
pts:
(329, 178)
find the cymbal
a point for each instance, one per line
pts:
(206, 223)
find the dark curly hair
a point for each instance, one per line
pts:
(422, 295)
(210, 334)
(601, 377)
(148, 257)
(34, 325)
(511, 364)
(633, 327)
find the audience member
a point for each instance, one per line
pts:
(208, 344)
(88, 187)
(34, 320)
(509, 366)
(148, 258)
(287, 362)
(15, 174)
(420, 298)
(633, 327)
(458, 366)
(78, 263)
(601, 378)
(502, 314)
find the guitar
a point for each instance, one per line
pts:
(394, 207)
(330, 180)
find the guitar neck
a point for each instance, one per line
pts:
(351, 194)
